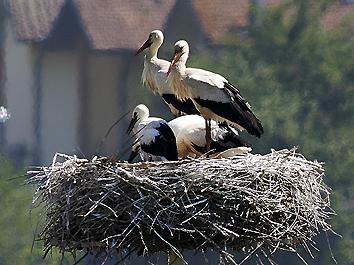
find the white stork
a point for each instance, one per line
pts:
(213, 95)
(154, 138)
(190, 136)
(154, 76)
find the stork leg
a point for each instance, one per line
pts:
(208, 134)
(173, 259)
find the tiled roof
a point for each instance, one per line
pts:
(112, 24)
(109, 24)
(34, 19)
(122, 24)
(336, 14)
(271, 3)
(217, 16)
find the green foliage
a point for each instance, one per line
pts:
(299, 79)
(17, 224)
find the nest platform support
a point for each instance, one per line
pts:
(256, 204)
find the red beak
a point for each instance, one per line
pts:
(176, 57)
(146, 44)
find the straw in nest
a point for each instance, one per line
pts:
(252, 203)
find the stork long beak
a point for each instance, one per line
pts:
(146, 44)
(132, 123)
(175, 58)
(134, 153)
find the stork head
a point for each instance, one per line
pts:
(180, 55)
(153, 42)
(140, 113)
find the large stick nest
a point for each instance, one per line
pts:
(248, 203)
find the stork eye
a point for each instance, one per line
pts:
(178, 49)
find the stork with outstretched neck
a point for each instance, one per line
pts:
(154, 76)
(212, 94)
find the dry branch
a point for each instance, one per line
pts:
(254, 203)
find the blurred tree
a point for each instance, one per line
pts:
(299, 78)
(17, 224)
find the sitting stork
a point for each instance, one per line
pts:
(154, 138)
(154, 76)
(213, 95)
(190, 136)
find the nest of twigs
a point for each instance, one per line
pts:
(251, 203)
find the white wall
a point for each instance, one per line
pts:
(102, 77)
(60, 104)
(18, 90)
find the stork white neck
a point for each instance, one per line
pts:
(180, 65)
(182, 51)
(157, 40)
(152, 52)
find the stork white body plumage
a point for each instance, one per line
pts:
(154, 76)
(155, 140)
(190, 136)
(189, 131)
(213, 95)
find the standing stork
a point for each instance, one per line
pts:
(154, 76)
(155, 140)
(190, 137)
(213, 95)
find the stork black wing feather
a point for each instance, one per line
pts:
(237, 110)
(164, 144)
(224, 141)
(235, 94)
(185, 106)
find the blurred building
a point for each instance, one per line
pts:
(68, 70)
